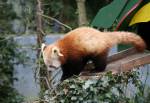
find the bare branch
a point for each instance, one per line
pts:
(47, 82)
(7, 38)
(55, 20)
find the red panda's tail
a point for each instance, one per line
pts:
(129, 38)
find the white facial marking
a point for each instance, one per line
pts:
(54, 65)
(51, 57)
(50, 69)
(43, 46)
(56, 51)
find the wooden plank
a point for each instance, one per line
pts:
(129, 63)
(121, 62)
(121, 54)
(136, 62)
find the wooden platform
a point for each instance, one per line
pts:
(123, 61)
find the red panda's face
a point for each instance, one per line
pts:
(51, 56)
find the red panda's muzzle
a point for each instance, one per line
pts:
(52, 68)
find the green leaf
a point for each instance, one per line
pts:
(107, 15)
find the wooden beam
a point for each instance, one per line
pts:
(121, 62)
(128, 63)
(121, 54)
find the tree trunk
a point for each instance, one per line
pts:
(82, 18)
(39, 29)
(39, 23)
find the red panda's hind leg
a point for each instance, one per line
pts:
(100, 62)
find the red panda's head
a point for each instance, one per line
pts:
(51, 56)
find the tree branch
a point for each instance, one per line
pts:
(55, 21)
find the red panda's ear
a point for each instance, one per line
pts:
(43, 47)
(56, 51)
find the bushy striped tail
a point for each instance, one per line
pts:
(129, 38)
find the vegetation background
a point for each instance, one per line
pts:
(42, 17)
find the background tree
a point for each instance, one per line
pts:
(39, 22)
(82, 18)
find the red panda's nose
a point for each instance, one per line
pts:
(51, 66)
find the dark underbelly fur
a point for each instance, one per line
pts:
(75, 67)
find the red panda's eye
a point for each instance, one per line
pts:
(55, 51)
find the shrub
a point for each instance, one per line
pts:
(8, 55)
(108, 89)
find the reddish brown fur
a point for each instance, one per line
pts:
(71, 49)
(88, 43)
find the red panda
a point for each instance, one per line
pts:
(80, 45)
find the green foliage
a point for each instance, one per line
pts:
(6, 16)
(9, 94)
(8, 55)
(108, 89)
(28, 16)
(62, 10)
